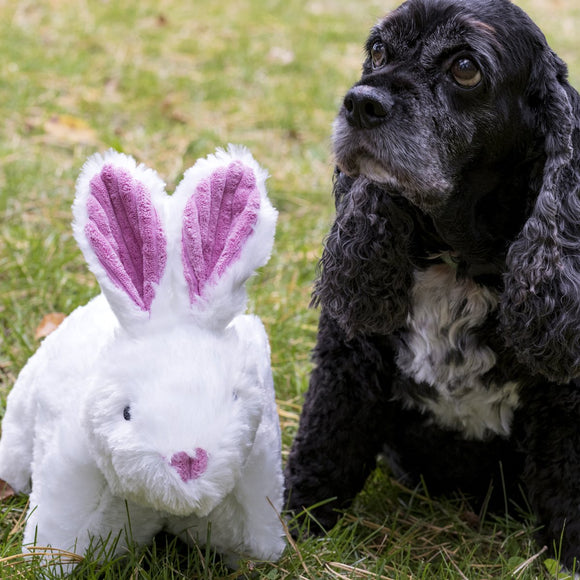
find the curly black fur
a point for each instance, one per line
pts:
(449, 285)
(367, 250)
(541, 303)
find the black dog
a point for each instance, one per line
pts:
(449, 333)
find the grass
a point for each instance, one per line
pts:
(167, 82)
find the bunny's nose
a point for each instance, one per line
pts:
(189, 467)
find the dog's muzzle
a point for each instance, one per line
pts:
(366, 107)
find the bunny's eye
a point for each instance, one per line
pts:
(127, 413)
(235, 395)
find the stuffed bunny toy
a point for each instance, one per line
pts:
(152, 407)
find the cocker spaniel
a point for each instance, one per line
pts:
(449, 285)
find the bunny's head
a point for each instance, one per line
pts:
(177, 398)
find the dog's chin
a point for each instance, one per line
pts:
(375, 172)
(429, 197)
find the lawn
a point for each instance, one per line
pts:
(168, 82)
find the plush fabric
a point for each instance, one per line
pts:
(133, 255)
(126, 421)
(216, 224)
(449, 284)
(190, 467)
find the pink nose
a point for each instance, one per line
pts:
(190, 467)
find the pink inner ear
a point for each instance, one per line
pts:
(126, 234)
(218, 219)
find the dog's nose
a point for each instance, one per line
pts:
(366, 107)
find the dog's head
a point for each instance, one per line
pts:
(442, 96)
(464, 120)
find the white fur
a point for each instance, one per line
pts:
(124, 308)
(93, 475)
(446, 313)
(229, 294)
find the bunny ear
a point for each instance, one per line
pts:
(227, 231)
(117, 225)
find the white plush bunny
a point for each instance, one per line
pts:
(152, 407)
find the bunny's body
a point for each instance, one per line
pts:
(138, 414)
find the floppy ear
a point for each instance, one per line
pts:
(365, 273)
(540, 307)
(118, 226)
(226, 232)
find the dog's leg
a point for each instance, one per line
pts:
(487, 472)
(342, 423)
(550, 426)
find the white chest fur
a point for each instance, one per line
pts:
(443, 351)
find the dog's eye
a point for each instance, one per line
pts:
(127, 413)
(378, 54)
(466, 72)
